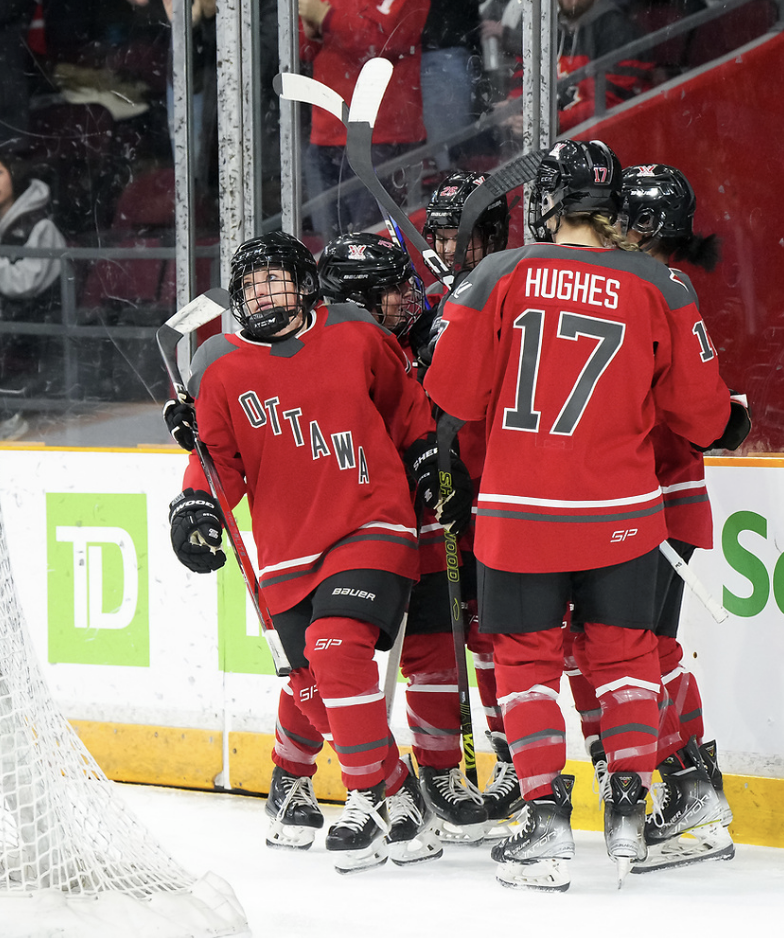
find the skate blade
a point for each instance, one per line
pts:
(469, 835)
(712, 842)
(289, 836)
(425, 846)
(623, 867)
(542, 875)
(357, 861)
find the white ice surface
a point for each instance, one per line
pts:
(291, 894)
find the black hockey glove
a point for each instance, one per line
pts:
(180, 417)
(422, 460)
(196, 528)
(738, 426)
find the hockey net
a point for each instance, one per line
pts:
(74, 861)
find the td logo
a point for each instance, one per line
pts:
(97, 579)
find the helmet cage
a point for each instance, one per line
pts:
(445, 210)
(275, 252)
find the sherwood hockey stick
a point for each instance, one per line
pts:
(690, 578)
(197, 313)
(446, 429)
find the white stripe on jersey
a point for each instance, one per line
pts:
(570, 503)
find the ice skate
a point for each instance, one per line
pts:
(457, 804)
(501, 796)
(710, 761)
(535, 856)
(294, 811)
(624, 821)
(685, 825)
(412, 837)
(358, 837)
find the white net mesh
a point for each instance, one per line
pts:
(63, 827)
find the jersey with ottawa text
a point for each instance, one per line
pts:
(573, 354)
(313, 428)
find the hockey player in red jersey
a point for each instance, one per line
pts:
(658, 212)
(572, 351)
(376, 273)
(319, 449)
(490, 234)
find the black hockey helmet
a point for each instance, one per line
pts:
(445, 209)
(658, 202)
(361, 268)
(279, 251)
(575, 176)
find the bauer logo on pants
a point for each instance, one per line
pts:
(97, 579)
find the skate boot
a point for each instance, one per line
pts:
(624, 821)
(685, 824)
(501, 796)
(710, 761)
(294, 811)
(357, 838)
(534, 857)
(458, 805)
(412, 837)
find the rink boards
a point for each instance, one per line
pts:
(168, 681)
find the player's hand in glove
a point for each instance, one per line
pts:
(196, 528)
(180, 417)
(422, 460)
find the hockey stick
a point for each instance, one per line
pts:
(516, 173)
(197, 313)
(371, 85)
(690, 578)
(446, 429)
(393, 666)
(301, 88)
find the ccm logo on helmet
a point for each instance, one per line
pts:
(347, 591)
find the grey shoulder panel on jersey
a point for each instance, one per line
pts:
(475, 289)
(210, 351)
(338, 313)
(686, 280)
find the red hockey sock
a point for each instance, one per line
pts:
(297, 741)
(340, 652)
(432, 703)
(528, 670)
(481, 647)
(624, 669)
(682, 688)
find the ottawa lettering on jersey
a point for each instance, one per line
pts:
(550, 283)
(304, 433)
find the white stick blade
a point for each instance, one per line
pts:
(200, 311)
(369, 91)
(307, 90)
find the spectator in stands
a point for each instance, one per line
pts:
(450, 68)
(15, 18)
(29, 292)
(587, 30)
(338, 38)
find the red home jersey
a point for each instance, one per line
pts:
(572, 354)
(312, 428)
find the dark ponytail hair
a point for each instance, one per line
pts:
(701, 250)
